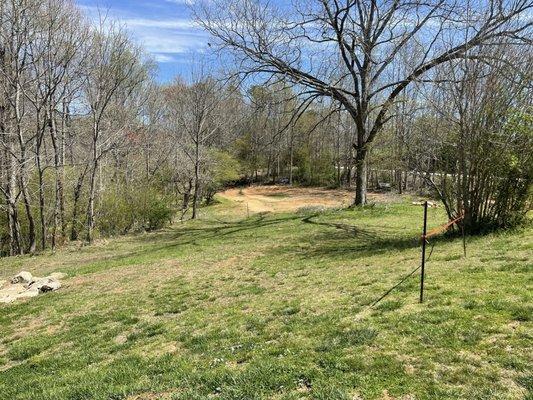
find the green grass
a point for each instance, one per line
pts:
(276, 307)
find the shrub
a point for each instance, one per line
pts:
(132, 208)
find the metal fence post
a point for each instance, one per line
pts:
(424, 241)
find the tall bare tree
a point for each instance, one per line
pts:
(114, 67)
(18, 30)
(198, 112)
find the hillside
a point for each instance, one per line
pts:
(247, 304)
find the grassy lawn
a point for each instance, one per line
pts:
(275, 306)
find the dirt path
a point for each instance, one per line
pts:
(283, 198)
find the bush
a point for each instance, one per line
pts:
(132, 208)
(155, 212)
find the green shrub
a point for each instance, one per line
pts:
(154, 211)
(132, 208)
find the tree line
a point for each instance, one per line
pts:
(432, 96)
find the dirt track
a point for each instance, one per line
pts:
(284, 198)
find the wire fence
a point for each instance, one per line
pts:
(424, 238)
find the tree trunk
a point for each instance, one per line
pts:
(277, 167)
(32, 237)
(32, 240)
(40, 175)
(58, 211)
(32, 243)
(42, 216)
(360, 178)
(196, 193)
(186, 199)
(291, 159)
(14, 230)
(90, 206)
(75, 206)
(64, 125)
(399, 180)
(15, 246)
(92, 183)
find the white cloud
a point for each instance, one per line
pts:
(181, 2)
(164, 58)
(159, 36)
(160, 39)
(171, 45)
(158, 23)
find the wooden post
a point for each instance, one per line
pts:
(424, 241)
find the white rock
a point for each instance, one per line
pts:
(11, 293)
(2, 283)
(22, 277)
(45, 285)
(57, 275)
(6, 299)
(23, 285)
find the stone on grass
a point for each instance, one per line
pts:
(47, 284)
(24, 285)
(11, 293)
(22, 277)
(57, 275)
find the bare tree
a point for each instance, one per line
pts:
(199, 116)
(484, 155)
(18, 31)
(113, 67)
(8, 165)
(54, 55)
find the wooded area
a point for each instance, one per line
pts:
(430, 96)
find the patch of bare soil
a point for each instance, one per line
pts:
(258, 199)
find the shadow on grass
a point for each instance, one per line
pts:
(165, 241)
(350, 241)
(351, 230)
(192, 235)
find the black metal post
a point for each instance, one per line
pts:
(464, 237)
(424, 241)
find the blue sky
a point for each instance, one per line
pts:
(163, 27)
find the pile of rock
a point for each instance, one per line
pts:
(25, 285)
